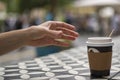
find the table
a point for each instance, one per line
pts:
(70, 64)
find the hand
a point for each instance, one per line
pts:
(47, 33)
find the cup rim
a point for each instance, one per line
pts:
(100, 44)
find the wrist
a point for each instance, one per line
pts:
(32, 33)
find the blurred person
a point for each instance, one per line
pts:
(68, 18)
(81, 23)
(25, 21)
(115, 23)
(19, 23)
(22, 22)
(92, 24)
(6, 24)
(42, 35)
(9, 23)
(49, 16)
(101, 29)
(35, 21)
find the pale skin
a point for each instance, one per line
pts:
(42, 35)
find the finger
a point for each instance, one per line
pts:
(67, 37)
(54, 34)
(58, 43)
(68, 32)
(65, 25)
(59, 35)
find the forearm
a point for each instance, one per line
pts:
(13, 40)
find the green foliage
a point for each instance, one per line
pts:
(4, 1)
(12, 5)
(22, 5)
(29, 4)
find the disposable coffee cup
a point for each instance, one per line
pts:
(99, 56)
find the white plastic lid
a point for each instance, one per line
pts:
(99, 41)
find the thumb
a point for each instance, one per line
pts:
(54, 34)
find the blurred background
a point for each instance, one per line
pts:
(90, 17)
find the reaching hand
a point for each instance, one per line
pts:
(47, 33)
